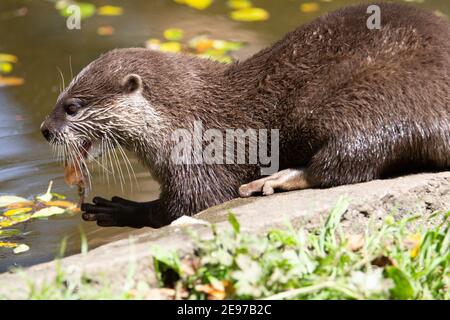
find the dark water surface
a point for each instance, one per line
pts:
(42, 42)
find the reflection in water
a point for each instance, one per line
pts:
(42, 43)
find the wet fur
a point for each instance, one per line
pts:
(352, 104)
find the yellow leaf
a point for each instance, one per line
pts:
(5, 57)
(60, 203)
(7, 223)
(8, 244)
(13, 212)
(196, 4)
(170, 47)
(110, 11)
(20, 217)
(309, 7)
(5, 67)
(239, 4)
(250, 14)
(173, 34)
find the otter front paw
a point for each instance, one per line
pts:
(116, 213)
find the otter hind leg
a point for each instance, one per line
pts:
(284, 180)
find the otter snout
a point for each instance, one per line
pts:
(46, 132)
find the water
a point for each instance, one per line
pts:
(43, 43)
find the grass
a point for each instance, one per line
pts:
(388, 261)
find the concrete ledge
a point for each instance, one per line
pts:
(421, 193)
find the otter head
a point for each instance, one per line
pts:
(102, 108)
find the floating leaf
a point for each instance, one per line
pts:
(6, 67)
(47, 212)
(196, 4)
(110, 11)
(86, 10)
(20, 217)
(10, 81)
(170, 47)
(48, 195)
(105, 31)
(9, 233)
(201, 44)
(309, 7)
(8, 200)
(7, 223)
(5, 57)
(60, 203)
(13, 212)
(8, 244)
(18, 205)
(153, 44)
(21, 248)
(250, 14)
(173, 34)
(239, 4)
(58, 195)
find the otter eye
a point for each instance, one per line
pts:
(72, 108)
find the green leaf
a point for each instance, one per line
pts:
(403, 288)
(8, 200)
(86, 10)
(234, 223)
(167, 264)
(173, 34)
(9, 233)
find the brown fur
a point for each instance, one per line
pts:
(352, 104)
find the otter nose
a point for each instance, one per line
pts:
(46, 132)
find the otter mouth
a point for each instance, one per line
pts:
(90, 150)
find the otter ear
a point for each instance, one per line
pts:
(132, 83)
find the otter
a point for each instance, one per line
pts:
(351, 104)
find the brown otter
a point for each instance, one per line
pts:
(351, 105)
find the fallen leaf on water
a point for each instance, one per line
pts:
(18, 205)
(153, 44)
(173, 34)
(60, 203)
(48, 195)
(20, 217)
(5, 67)
(21, 248)
(47, 212)
(6, 57)
(13, 212)
(201, 44)
(9, 233)
(8, 200)
(250, 14)
(8, 244)
(239, 4)
(105, 31)
(110, 11)
(86, 10)
(10, 81)
(170, 47)
(7, 223)
(58, 195)
(309, 7)
(196, 4)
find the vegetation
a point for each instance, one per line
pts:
(393, 260)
